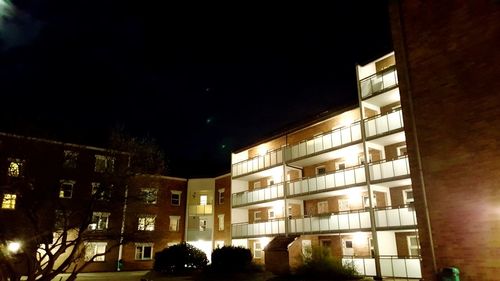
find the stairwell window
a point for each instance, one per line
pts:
(221, 196)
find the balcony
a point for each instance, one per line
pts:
(195, 234)
(272, 227)
(353, 220)
(328, 141)
(259, 195)
(379, 82)
(395, 216)
(338, 179)
(200, 210)
(258, 163)
(389, 169)
(382, 124)
(391, 266)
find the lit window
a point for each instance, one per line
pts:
(70, 159)
(100, 221)
(257, 250)
(221, 222)
(143, 251)
(256, 185)
(271, 214)
(408, 196)
(149, 195)
(203, 224)
(366, 201)
(257, 216)
(413, 246)
(402, 150)
(174, 223)
(15, 168)
(100, 192)
(175, 199)
(203, 200)
(322, 207)
(146, 223)
(344, 205)
(95, 251)
(221, 196)
(104, 164)
(9, 201)
(66, 189)
(321, 170)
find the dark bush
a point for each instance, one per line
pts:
(320, 265)
(180, 258)
(231, 259)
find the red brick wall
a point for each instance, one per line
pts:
(448, 60)
(225, 208)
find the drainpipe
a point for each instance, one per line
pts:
(368, 185)
(406, 77)
(285, 192)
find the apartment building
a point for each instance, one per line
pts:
(341, 183)
(132, 216)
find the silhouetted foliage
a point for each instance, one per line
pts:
(231, 259)
(180, 258)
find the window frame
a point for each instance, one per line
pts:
(109, 164)
(101, 216)
(323, 204)
(259, 217)
(146, 222)
(175, 193)
(95, 247)
(342, 206)
(318, 168)
(9, 203)
(337, 166)
(62, 191)
(142, 246)
(20, 166)
(269, 212)
(258, 250)
(145, 192)
(411, 246)
(406, 200)
(399, 148)
(70, 160)
(221, 222)
(172, 219)
(221, 198)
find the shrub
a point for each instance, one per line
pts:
(321, 265)
(180, 258)
(232, 259)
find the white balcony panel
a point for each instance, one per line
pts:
(258, 163)
(389, 169)
(384, 123)
(258, 229)
(364, 266)
(248, 197)
(395, 217)
(400, 267)
(348, 221)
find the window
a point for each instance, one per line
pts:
(100, 221)
(408, 196)
(174, 223)
(203, 224)
(100, 192)
(70, 159)
(321, 170)
(366, 201)
(16, 168)
(175, 199)
(66, 189)
(203, 200)
(340, 165)
(307, 248)
(143, 251)
(221, 196)
(221, 222)
(343, 205)
(270, 182)
(257, 215)
(95, 248)
(104, 164)
(9, 201)
(413, 246)
(146, 223)
(149, 195)
(257, 250)
(256, 185)
(402, 150)
(271, 214)
(322, 207)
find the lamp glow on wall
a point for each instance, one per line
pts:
(13, 246)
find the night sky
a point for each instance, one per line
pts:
(202, 80)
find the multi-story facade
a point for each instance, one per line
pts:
(341, 183)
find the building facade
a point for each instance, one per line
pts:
(341, 183)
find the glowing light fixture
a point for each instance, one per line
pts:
(13, 246)
(262, 150)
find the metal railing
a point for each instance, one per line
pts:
(335, 138)
(378, 82)
(271, 192)
(195, 210)
(390, 266)
(340, 178)
(388, 169)
(391, 216)
(358, 219)
(257, 163)
(381, 124)
(271, 227)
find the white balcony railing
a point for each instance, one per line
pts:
(258, 195)
(258, 163)
(389, 169)
(379, 82)
(341, 178)
(391, 266)
(196, 210)
(272, 227)
(336, 138)
(333, 222)
(382, 124)
(195, 234)
(394, 216)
